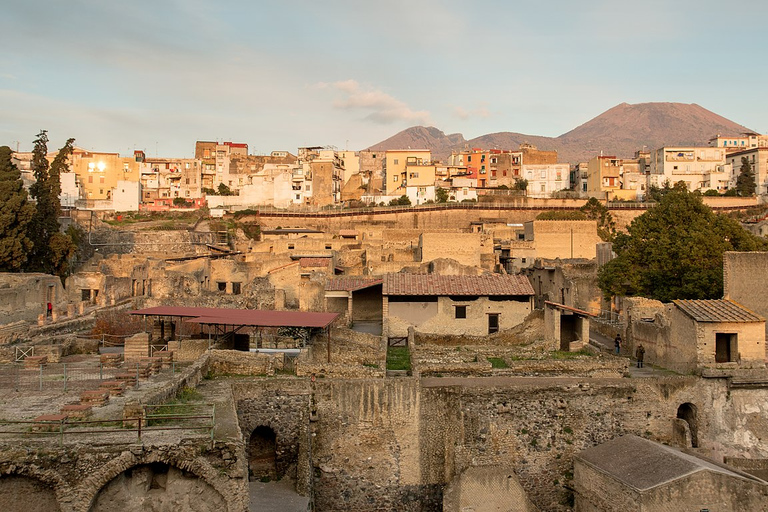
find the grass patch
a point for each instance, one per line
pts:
(560, 354)
(398, 358)
(370, 365)
(498, 362)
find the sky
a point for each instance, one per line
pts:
(159, 75)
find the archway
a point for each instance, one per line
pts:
(22, 493)
(158, 487)
(262, 454)
(688, 413)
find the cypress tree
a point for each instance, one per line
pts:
(51, 249)
(15, 213)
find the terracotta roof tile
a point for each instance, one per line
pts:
(720, 310)
(314, 262)
(433, 284)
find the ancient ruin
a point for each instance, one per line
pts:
(392, 361)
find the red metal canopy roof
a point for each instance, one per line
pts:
(243, 317)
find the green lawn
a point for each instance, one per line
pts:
(398, 358)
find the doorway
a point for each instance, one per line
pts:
(493, 323)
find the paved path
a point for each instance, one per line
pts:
(277, 496)
(606, 345)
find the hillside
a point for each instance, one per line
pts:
(619, 131)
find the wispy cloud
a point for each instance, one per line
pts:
(464, 114)
(381, 107)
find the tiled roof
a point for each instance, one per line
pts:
(351, 283)
(433, 284)
(644, 464)
(314, 262)
(720, 310)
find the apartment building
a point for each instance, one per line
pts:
(758, 160)
(544, 179)
(701, 168)
(396, 164)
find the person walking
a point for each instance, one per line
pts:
(640, 355)
(617, 343)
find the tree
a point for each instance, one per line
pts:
(606, 226)
(441, 195)
(675, 251)
(225, 190)
(745, 183)
(51, 249)
(521, 185)
(15, 213)
(400, 201)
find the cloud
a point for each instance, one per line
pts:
(381, 107)
(464, 114)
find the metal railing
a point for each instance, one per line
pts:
(68, 376)
(193, 417)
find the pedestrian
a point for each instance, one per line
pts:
(50, 310)
(617, 343)
(640, 355)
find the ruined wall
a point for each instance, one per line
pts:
(466, 248)
(24, 297)
(745, 280)
(565, 239)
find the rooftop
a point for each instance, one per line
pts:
(644, 464)
(433, 284)
(242, 317)
(720, 310)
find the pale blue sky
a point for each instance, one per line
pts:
(158, 75)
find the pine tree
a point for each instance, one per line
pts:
(745, 183)
(15, 214)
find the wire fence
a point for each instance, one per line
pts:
(71, 376)
(200, 417)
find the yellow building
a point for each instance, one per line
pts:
(396, 172)
(603, 176)
(98, 173)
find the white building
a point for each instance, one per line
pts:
(758, 159)
(544, 179)
(701, 168)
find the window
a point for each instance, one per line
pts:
(90, 179)
(396, 161)
(394, 178)
(461, 311)
(235, 288)
(222, 286)
(290, 246)
(328, 246)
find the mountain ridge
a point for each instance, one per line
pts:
(620, 131)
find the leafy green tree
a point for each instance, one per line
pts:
(606, 225)
(675, 251)
(15, 214)
(521, 185)
(441, 195)
(745, 183)
(400, 201)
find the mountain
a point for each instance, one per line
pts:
(619, 131)
(422, 137)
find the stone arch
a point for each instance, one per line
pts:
(199, 468)
(158, 486)
(262, 453)
(689, 414)
(20, 493)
